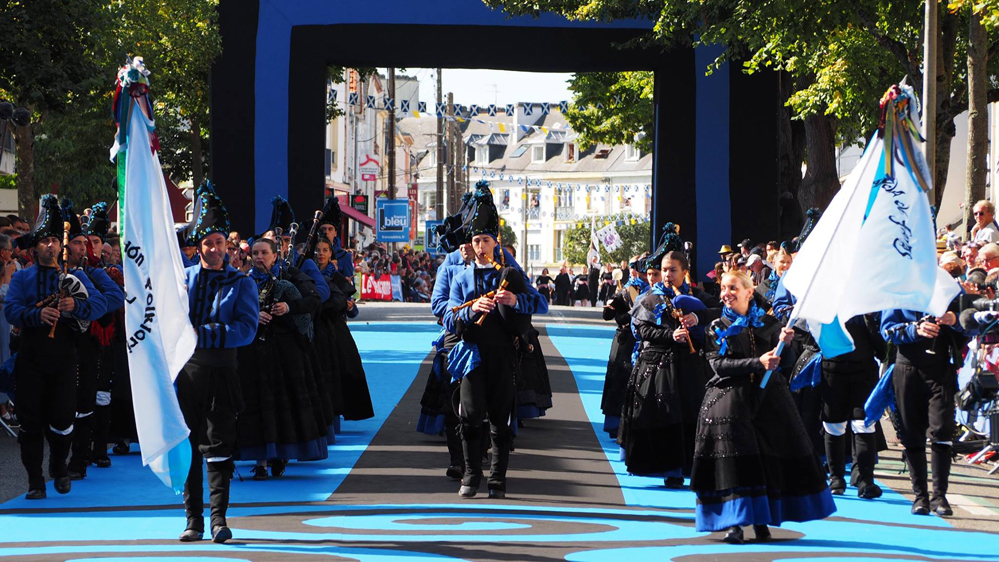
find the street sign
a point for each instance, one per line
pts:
(392, 220)
(359, 202)
(369, 168)
(430, 240)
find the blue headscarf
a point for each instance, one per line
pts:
(639, 283)
(752, 318)
(261, 276)
(330, 269)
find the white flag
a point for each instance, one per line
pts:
(159, 335)
(874, 247)
(609, 237)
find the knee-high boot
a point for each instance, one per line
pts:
(219, 480)
(917, 476)
(82, 444)
(864, 457)
(500, 461)
(194, 498)
(940, 459)
(471, 445)
(32, 453)
(835, 445)
(456, 469)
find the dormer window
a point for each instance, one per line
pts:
(570, 152)
(482, 155)
(632, 154)
(538, 154)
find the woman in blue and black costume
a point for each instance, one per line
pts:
(620, 364)
(283, 419)
(486, 316)
(354, 390)
(45, 368)
(753, 462)
(224, 312)
(925, 381)
(665, 390)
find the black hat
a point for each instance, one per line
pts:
(331, 212)
(812, 217)
(747, 243)
(49, 222)
(670, 242)
(68, 215)
(485, 217)
(452, 232)
(210, 215)
(99, 224)
(281, 214)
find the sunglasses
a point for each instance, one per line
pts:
(979, 213)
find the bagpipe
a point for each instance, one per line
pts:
(267, 296)
(688, 304)
(69, 287)
(309, 248)
(511, 279)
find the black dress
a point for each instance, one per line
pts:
(545, 286)
(664, 392)
(581, 291)
(326, 354)
(353, 383)
(283, 418)
(619, 363)
(563, 288)
(753, 462)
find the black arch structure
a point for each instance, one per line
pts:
(715, 156)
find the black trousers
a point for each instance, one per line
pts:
(489, 391)
(209, 396)
(925, 400)
(843, 392)
(87, 374)
(46, 389)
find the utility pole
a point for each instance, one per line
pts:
(390, 140)
(451, 207)
(439, 205)
(523, 245)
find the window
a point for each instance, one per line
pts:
(519, 151)
(558, 244)
(432, 157)
(482, 154)
(538, 154)
(632, 153)
(533, 252)
(570, 152)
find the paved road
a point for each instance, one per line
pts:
(382, 494)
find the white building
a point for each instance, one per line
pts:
(542, 182)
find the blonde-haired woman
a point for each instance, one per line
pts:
(781, 262)
(754, 463)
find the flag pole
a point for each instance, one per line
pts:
(931, 36)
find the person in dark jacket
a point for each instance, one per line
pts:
(925, 381)
(563, 288)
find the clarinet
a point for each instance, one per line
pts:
(311, 237)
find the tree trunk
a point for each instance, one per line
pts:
(821, 181)
(197, 161)
(791, 151)
(27, 194)
(978, 116)
(945, 129)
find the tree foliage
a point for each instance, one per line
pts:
(634, 238)
(616, 108)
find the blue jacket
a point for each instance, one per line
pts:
(310, 268)
(114, 296)
(466, 286)
(224, 307)
(33, 284)
(344, 263)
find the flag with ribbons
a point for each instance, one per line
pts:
(874, 247)
(159, 336)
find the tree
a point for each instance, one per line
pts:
(634, 238)
(978, 114)
(836, 59)
(50, 58)
(616, 108)
(508, 235)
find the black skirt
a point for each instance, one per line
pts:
(651, 431)
(353, 383)
(282, 419)
(534, 389)
(619, 369)
(325, 346)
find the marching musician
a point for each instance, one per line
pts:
(224, 313)
(89, 347)
(485, 358)
(619, 363)
(46, 381)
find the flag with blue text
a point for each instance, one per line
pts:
(874, 247)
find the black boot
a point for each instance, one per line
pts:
(32, 453)
(917, 475)
(865, 455)
(82, 444)
(940, 460)
(102, 424)
(219, 479)
(500, 461)
(194, 507)
(59, 446)
(456, 469)
(835, 445)
(471, 445)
